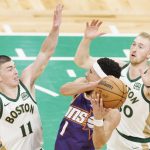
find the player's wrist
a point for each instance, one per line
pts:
(98, 122)
(87, 39)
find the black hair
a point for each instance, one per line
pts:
(110, 67)
(4, 59)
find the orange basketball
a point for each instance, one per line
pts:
(113, 92)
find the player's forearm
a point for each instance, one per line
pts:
(82, 54)
(50, 42)
(77, 88)
(99, 139)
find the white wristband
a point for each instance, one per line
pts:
(98, 123)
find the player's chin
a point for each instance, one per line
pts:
(133, 61)
(16, 82)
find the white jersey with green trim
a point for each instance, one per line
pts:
(134, 127)
(20, 125)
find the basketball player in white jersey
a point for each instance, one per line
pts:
(133, 132)
(20, 125)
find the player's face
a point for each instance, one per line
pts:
(9, 74)
(140, 50)
(92, 76)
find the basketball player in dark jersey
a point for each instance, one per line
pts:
(87, 125)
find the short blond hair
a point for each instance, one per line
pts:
(145, 35)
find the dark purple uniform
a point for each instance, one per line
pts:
(75, 132)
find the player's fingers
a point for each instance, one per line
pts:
(93, 22)
(93, 97)
(101, 104)
(99, 23)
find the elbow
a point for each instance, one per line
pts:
(79, 62)
(63, 91)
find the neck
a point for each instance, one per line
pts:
(10, 92)
(134, 70)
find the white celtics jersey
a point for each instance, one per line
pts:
(135, 117)
(20, 126)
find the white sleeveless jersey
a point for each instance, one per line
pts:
(134, 126)
(20, 125)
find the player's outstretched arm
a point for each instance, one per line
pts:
(78, 86)
(105, 121)
(82, 57)
(32, 72)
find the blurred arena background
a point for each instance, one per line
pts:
(123, 16)
(25, 23)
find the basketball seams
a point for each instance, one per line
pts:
(123, 87)
(117, 105)
(113, 92)
(117, 85)
(109, 91)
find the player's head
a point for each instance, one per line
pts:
(102, 68)
(8, 72)
(140, 49)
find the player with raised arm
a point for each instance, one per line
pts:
(20, 125)
(133, 131)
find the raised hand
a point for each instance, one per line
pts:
(57, 16)
(92, 29)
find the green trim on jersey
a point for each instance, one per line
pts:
(11, 99)
(132, 80)
(124, 66)
(144, 97)
(1, 107)
(27, 92)
(134, 139)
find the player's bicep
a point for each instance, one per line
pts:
(39, 65)
(34, 70)
(72, 88)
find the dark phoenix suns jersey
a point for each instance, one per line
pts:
(75, 132)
